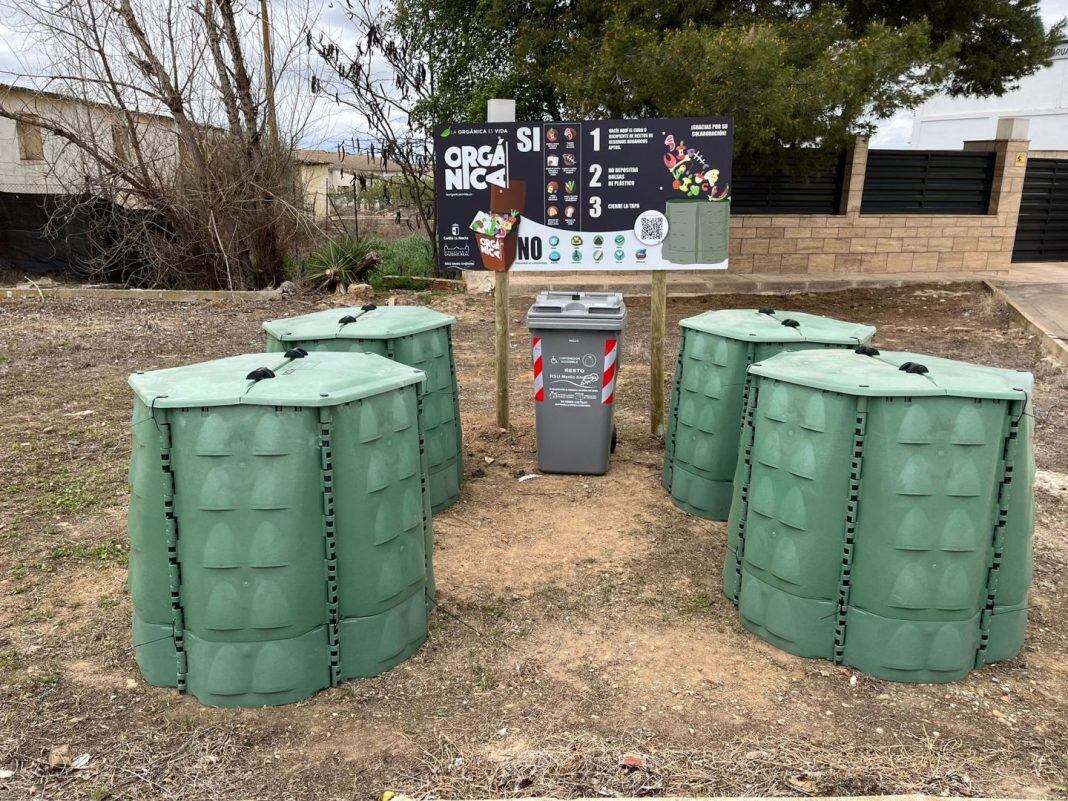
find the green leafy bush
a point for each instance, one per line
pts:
(412, 256)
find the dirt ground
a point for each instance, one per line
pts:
(580, 620)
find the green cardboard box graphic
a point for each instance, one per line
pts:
(697, 231)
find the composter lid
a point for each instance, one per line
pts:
(559, 309)
(894, 374)
(367, 322)
(772, 325)
(317, 379)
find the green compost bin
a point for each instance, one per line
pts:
(280, 536)
(884, 511)
(412, 335)
(701, 442)
(697, 231)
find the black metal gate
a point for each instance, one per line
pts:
(1042, 229)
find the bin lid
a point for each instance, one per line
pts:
(317, 379)
(893, 374)
(593, 310)
(367, 322)
(772, 325)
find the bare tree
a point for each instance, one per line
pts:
(384, 71)
(171, 149)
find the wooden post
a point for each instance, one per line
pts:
(657, 327)
(500, 306)
(501, 111)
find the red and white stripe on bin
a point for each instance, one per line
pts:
(539, 384)
(608, 382)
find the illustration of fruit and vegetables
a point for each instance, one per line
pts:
(693, 175)
(494, 224)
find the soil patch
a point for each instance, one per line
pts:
(581, 618)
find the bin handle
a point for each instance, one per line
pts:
(259, 374)
(351, 318)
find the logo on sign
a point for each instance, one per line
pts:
(471, 167)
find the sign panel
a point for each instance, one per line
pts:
(595, 195)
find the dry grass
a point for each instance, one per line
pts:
(568, 766)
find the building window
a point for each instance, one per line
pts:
(31, 141)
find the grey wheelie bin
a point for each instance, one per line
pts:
(576, 341)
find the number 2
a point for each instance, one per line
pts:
(595, 171)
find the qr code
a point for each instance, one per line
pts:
(652, 229)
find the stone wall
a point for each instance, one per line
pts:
(851, 242)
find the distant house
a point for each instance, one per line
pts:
(39, 169)
(34, 161)
(945, 123)
(326, 171)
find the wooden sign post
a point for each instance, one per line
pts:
(501, 111)
(657, 329)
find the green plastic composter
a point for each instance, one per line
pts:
(412, 335)
(697, 231)
(884, 512)
(701, 443)
(279, 524)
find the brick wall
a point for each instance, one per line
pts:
(852, 242)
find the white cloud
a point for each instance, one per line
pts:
(894, 132)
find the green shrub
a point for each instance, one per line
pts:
(411, 256)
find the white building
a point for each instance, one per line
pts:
(945, 123)
(34, 161)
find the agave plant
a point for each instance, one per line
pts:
(341, 262)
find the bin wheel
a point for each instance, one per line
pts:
(613, 447)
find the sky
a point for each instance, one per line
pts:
(332, 124)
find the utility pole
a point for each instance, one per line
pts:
(268, 71)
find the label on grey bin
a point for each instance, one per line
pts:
(573, 381)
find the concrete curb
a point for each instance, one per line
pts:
(682, 286)
(179, 295)
(436, 284)
(1055, 348)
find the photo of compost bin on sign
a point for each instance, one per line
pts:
(596, 195)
